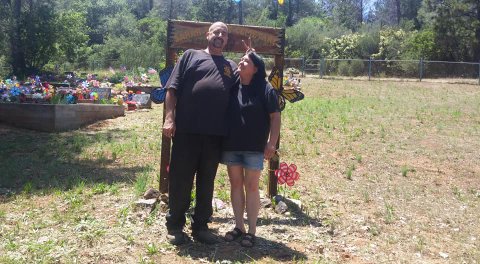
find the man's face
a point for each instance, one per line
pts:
(217, 36)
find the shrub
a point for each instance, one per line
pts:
(116, 78)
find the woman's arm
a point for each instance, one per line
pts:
(271, 147)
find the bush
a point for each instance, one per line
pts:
(357, 68)
(116, 78)
(4, 68)
(343, 68)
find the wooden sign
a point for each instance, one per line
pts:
(192, 35)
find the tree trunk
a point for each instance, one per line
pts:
(240, 12)
(399, 12)
(476, 53)
(290, 15)
(360, 12)
(17, 53)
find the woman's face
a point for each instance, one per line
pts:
(246, 66)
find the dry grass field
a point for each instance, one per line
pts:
(389, 173)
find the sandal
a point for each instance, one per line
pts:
(248, 240)
(234, 234)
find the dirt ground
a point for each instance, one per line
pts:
(389, 173)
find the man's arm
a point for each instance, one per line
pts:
(170, 103)
(271, 146)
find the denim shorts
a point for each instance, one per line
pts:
(252, 160)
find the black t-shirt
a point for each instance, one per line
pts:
(249, 116)
(202, 82)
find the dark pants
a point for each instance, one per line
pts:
(192, 154)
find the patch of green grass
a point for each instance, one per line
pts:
(27, 188)
(366, 196)
(358, 158)
(406, 169)
(40, 252)
(122, 214)
(421, 244)
(8, 260)
(152, 249)
(458, 193)
(10, 245)
(114, 189)
(3, 214)
(152, 217)
(349, 171)
(100, 188)
(374, 230)
(141, 183)
(389, 213)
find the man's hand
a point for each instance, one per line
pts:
(269, 151)
(169, 128)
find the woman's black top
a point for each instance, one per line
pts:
(248, 115)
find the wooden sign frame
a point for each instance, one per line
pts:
(182, 35)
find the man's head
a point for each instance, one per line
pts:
(217, 37)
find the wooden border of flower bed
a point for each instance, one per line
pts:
(56, 117)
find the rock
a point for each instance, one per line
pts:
(151, 194)
(443, 255)
(278, 198)
(146, 203)
(164, 198)
(163, 207)
(281, 207)
(265, 202)
(218, 204)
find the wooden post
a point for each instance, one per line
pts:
(303, 66)
(369, 67)
(166, 142)
(274, 162)
(420, 65)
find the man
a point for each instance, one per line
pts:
(195, 118)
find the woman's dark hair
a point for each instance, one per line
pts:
(258, 62)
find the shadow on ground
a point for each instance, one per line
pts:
(297, 217)
(234, 252)
(42, 162)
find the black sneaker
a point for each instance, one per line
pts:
(177, 238)
(205, 236)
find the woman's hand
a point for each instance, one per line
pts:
(248, 45)
(269, 151)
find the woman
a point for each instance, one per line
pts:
(254, 118)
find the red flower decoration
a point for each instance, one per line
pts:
(287, 174)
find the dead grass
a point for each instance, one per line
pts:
(389, 173)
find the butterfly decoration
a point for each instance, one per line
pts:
(158, 94)
(287, 174)
(292, 95)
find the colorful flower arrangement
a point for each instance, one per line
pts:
(34, 90)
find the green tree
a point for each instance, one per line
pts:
(456, 24)
(72, 35)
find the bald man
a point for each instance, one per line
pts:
(196, 107)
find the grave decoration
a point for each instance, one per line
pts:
(34, 90)
(287, 174)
